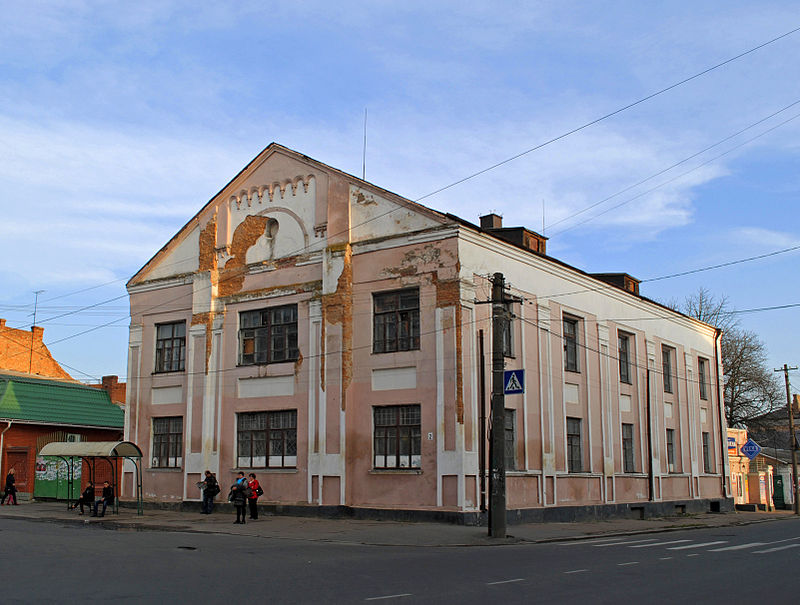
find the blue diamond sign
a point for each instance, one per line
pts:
(750, 449)
(513, 382)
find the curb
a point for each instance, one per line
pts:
(510, 540)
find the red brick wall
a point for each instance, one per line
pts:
(15, 352)
(19, 442)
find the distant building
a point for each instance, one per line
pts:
(332, 337)
(42, 406)
(116, 390)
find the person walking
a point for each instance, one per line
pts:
(238, 496)
(87, 497)
(210, 489)
(106, 499)
(256, 491)
(10, 491)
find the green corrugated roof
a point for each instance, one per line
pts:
(56, 402)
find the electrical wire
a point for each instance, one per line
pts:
(606, 116)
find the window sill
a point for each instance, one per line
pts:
(395, 352)
(165, 469)
(268, 471)
(166, 372)
(395, 471)
(572, 371)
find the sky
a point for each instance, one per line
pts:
(119, 121)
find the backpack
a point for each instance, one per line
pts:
(259, 491)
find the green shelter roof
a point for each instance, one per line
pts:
(31, 399)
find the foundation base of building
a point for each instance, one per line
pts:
(550, 514)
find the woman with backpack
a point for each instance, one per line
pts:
(256, 491)
(238, 495)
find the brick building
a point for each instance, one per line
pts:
(43, 405)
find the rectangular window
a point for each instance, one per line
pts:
(398, 441)
(666, 367)
(170, 347)
(508, 344)
(267, 439)
(706, 454)
(168, 442)
(627, 449)
(510, 442)
(574, 452)
(395, 321)
(570, 331)
(671, 450)
(702, 376)
(268, 335)
(624, 352)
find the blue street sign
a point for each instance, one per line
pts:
(750, 449)
(513, 382)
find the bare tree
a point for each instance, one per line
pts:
(751, 389)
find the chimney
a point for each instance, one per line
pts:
(491, 221)
(109, 382)
(2, 323)
(37, 332)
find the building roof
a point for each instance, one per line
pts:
(99, 449)
(56, 402)
(24, 351)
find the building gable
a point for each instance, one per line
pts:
(284, 205)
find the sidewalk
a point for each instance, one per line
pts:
(377, 533)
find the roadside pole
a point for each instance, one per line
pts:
(792, 439)
(497, 500)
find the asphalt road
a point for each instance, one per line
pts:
(47, 562)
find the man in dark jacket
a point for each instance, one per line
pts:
(87, 497)
(210, 489)
(105, 500)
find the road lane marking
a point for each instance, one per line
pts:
(665, 558)
(629, 563)
(776, 548)
(389, 596)
(505, 581)
(576, 571)
(659, 543)
(623, 543)
(694, 554)
(737, 547)
(585, 542)
(698, 545)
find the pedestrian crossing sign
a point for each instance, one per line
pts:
(513, 382)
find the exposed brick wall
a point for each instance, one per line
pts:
(116, 390)
(15, 352)
(19, 443)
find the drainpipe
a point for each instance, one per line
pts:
(723, 437)
(2, 439)
(650, 476)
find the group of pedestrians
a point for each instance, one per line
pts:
(244, 494)
(87, 498)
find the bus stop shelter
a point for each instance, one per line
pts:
(91, 451)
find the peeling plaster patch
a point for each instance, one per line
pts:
(365, 200)
(337, 308)
(448, 294)
(246, 235)
(207, 259)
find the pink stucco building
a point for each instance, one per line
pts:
(326, 334)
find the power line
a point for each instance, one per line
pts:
(675, 178)
(675, 165)
(606, 116)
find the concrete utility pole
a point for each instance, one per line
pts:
(792, 439)
(497, 499)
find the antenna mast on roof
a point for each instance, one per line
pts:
(35, 305)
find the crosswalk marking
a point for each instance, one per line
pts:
(659, 543)
(698, 545)
(776, 548)
(623, 543)
(737, 547)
